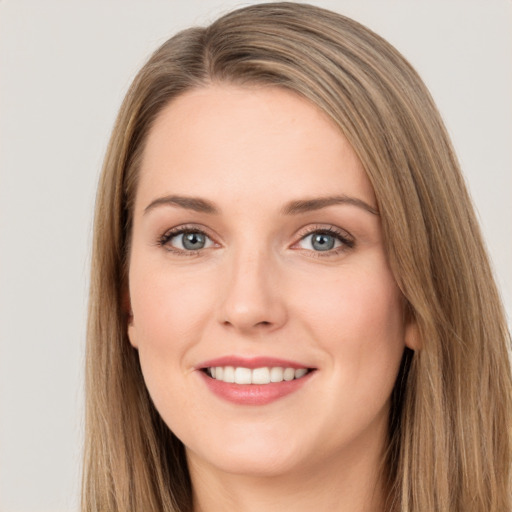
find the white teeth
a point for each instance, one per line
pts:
(243, 376)
(229, 374)
(289, 374)
(260, 376)
(300, 373)
(264, 375)
(276, 374)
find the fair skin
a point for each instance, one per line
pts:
(253, 268)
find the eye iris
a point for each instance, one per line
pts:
(322, 242)
(193, 241)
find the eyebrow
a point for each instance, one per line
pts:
(292, 208)
(309, 205)
(190, 203)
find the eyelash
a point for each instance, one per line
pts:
(164, 240)
(347, 242)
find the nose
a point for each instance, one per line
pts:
(253, 300)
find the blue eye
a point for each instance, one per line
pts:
(190, 240)
(324, 241)
(319, 242)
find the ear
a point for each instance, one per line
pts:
(128, 315)
(132, 335)
(412, 336)
(412, 333)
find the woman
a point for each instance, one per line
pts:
(291, 305)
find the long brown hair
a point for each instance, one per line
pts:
(449, 440)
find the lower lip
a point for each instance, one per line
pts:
(253, 394)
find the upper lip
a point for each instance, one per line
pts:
(250, 362)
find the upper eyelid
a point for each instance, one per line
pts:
(185, 228)
(326, 228)
(303, 231)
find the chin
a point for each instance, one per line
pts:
(251, 458)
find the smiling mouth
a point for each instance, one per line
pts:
(263, 375)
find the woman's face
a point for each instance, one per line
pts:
(257, 250)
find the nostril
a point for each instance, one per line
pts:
(263, 323)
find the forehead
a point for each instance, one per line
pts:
(225, 138)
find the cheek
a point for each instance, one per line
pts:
(358, 321)
(168, 309)
(360, 326)
(168, 320)
(359, 302)
(169, 317)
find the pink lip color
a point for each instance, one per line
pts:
(252, 394)
(250, 362)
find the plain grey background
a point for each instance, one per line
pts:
(64, 67)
